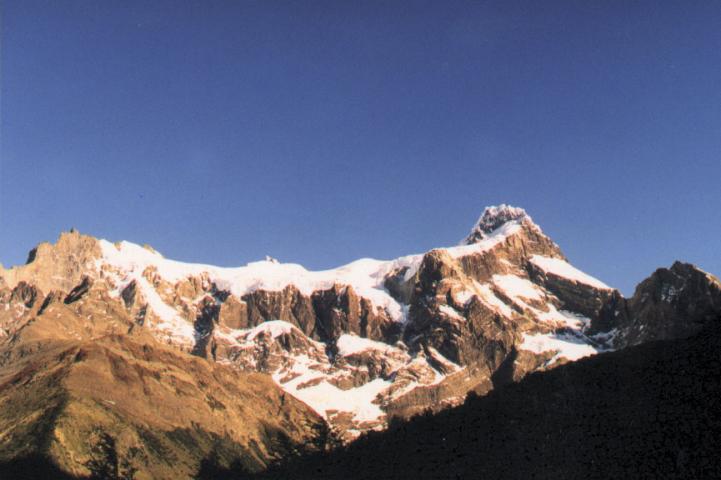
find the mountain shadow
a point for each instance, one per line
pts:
(651, 411)
(36, 467)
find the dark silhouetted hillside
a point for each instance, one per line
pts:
(652, 411)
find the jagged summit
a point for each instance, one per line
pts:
(494, 217)
(56, 266)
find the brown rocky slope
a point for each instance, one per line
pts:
(81, 387)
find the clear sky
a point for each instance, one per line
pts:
(320, 132)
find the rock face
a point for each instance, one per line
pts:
(675, 302)
(340, 352)
(493, 218)
(60, 266)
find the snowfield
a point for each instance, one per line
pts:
(563, 269)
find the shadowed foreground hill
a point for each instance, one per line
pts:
(652, 411)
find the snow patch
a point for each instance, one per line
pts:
(563, 269)
(567, 346)
(451, 312)
(489, 298)
(515, 286)
(366, 276)
(464, 296)
(275, 328)
(171, 326)
(350, 344)
(171, 323)
(488, 241)
(494, 217)
(326, 398)
(565, 318)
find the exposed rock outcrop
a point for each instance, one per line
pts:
(674, 302)
(56, 267)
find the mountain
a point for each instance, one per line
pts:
(648, 411)
(160, 359)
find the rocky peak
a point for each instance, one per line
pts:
(494, 217)
(668, 285)
(689, 270)
(59, 266)
(674, 302)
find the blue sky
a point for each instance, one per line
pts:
(320, 132)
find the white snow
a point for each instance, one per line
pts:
(128, 261)
(561, 268)
(489, 298)
(438, 357)
(246, 337)
(668, 293)
(349, 344)
(515, 286)
(495, 216)
(171, 322)
(464, 296)
(566, 345)
(325, 397)
(171, 325)
(451, 312)
(366, 276)
(491, 240)
(275, 328)
(565, 318)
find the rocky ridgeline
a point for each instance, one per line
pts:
(362, 343)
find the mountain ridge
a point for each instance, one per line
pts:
(648, 411)
(355, 346)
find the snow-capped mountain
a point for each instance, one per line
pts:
(364, 342)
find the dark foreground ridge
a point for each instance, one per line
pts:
(651, 411)
(33, 468)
